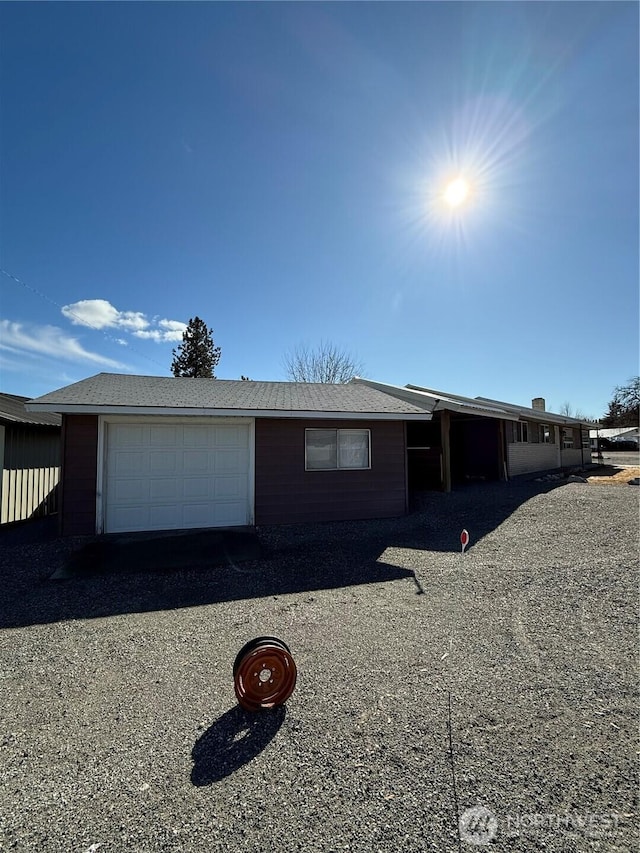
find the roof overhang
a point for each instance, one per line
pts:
(433, 401)
(526, 414)
(176, 411)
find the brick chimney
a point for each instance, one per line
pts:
(539, 404)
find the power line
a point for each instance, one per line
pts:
(81, 320)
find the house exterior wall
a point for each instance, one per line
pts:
(285, 492)
(79, 469)
(30, 471)
(532, 456)
(529, 458)
(574, 458)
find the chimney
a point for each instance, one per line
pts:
(539, 404)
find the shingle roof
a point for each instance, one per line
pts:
(526, 412)
(12, 411)
(435, 401)
(115, 391)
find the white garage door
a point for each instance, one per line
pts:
(169, 476)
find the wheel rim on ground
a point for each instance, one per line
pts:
(252, 644)
(264, 674)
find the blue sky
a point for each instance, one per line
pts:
(278, 170)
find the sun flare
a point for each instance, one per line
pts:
(457, 192)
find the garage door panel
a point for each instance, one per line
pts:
(128, 435)
(165, 489)
(197, 489)
(130, 491)
(230, 436)
(163, 462)
(128, 517)
(198, 515)
(197, 461)
(198, 436)
(230, 460)
(171, 476)
(225, 513)
(227, 487)
(124, 463)
(165, 516)
(163, 436)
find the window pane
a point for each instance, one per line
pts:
(321, 448)
(353, 448)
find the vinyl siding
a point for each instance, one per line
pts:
(285, 492)
(574, 457)
(527, 458)
(79, 468)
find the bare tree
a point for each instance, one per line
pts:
(624, 408)
(568, 411)
(325, 363)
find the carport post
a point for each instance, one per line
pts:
(446, 450)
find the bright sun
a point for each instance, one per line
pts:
(456, 192)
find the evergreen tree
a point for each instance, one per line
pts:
(196, 357)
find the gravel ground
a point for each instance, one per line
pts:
(119, 729)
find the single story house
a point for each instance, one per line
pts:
(155, 453)
(29, 460)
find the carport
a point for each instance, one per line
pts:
(453, 449)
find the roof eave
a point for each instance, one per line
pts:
(175, 411)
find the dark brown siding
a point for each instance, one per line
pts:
(285, 492)
(79, 466)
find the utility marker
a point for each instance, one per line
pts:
(464, 539)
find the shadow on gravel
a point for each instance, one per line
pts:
(29, 600)
(233, 741)
(132, 553)
(170, 572)
(32, 531)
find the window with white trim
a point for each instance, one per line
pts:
(337, 449)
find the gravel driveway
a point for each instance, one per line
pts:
(119, 729)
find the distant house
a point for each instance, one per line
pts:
(30, 449)
(613, 434)
(156, 453)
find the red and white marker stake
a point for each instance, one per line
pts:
(464, 539)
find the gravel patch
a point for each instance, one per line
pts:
(119, 728)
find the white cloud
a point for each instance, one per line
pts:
(159, 336)
(49, 341)
(150, 335)
(173, 325)
(101, 314)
